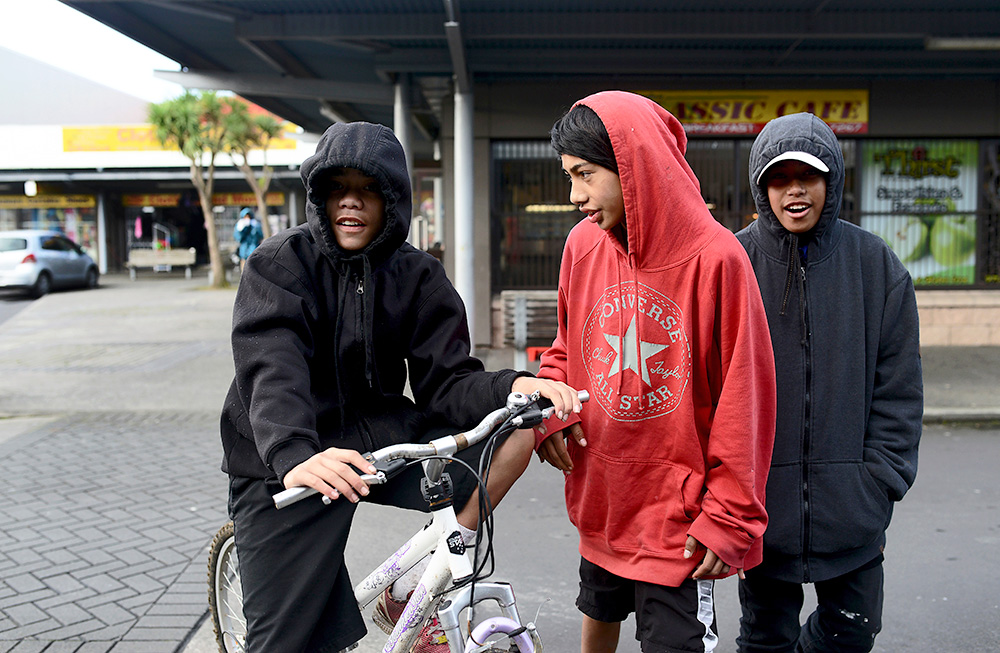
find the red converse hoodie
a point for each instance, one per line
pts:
(670, 337)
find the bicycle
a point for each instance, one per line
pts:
(452, 583)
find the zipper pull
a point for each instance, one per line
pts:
(361, 287)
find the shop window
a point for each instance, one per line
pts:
(530, 215)
(989, 217)
(921, 196)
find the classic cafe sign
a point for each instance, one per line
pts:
(745, 112)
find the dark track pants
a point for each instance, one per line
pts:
(847, 618)
(298, 596)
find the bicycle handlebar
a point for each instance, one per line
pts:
(443, 446)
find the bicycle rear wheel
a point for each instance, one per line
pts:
(225, 592)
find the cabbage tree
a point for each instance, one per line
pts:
(246, 132)
(195, 124)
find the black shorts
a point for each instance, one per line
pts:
(668, 619)
(297, 593)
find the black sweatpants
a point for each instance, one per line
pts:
(298, 596)
(847, 618)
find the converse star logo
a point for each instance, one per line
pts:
(637, 352)
(627, 359)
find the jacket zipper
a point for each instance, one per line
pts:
(806, 434)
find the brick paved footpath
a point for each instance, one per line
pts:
(109, 451)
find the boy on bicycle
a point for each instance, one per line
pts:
(660, 318)
(330, 319)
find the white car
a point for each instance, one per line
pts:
(38, 260)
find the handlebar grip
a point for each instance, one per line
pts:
(543, 402)
(287, 497)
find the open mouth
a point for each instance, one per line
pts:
(351, 223)
(797, 209)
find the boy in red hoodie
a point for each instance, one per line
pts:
(661, 319)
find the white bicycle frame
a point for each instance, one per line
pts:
(449, 560)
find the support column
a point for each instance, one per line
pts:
(102, 235)
(401, 119)
(464, 213)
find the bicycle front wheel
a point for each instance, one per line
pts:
(225, 592)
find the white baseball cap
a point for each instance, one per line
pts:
(804, 157)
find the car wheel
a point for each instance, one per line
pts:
(92, 279)
(43, 284)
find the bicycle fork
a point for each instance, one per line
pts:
(526, 637)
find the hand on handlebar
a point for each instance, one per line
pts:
(331, 474)
(565, 400)
(553, 448)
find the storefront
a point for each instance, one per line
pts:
(933, 200)
(73, 215)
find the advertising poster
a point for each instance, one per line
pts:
(920, 197)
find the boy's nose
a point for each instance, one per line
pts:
(350, 201)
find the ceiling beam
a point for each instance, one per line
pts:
(246, 84)
(623, 24)
(530, 62)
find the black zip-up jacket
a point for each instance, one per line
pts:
(323, 338)
(850, 392)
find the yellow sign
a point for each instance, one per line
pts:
(246, 199)
(745, 112)
(47, 202)
(131, 138)
(152, 199)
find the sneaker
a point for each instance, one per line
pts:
(387, 612)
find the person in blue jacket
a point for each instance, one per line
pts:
(248, 233)
(843, 319)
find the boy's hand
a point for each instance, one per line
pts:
(712, 566)
(564, 398)
(329, 473)
(553, 448)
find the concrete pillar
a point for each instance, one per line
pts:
(401, 120)
(464, 213)
(102, 235)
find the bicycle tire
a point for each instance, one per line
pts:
(225, 592)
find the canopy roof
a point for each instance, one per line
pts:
(312, 61)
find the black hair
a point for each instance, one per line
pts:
(581, 133)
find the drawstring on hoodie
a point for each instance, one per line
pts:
(795, 271)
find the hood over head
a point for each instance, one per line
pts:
(665, 215)
(374, 150)
(806, 138)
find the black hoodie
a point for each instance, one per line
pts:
(323, 338)
(850, 393)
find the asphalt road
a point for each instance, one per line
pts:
(10, 303)
(942, 559)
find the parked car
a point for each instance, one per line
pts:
(38, 260)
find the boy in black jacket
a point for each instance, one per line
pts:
(843, 321)
(329, 318)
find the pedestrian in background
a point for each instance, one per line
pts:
(843, 321)
(248, 234)
(661, 320)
